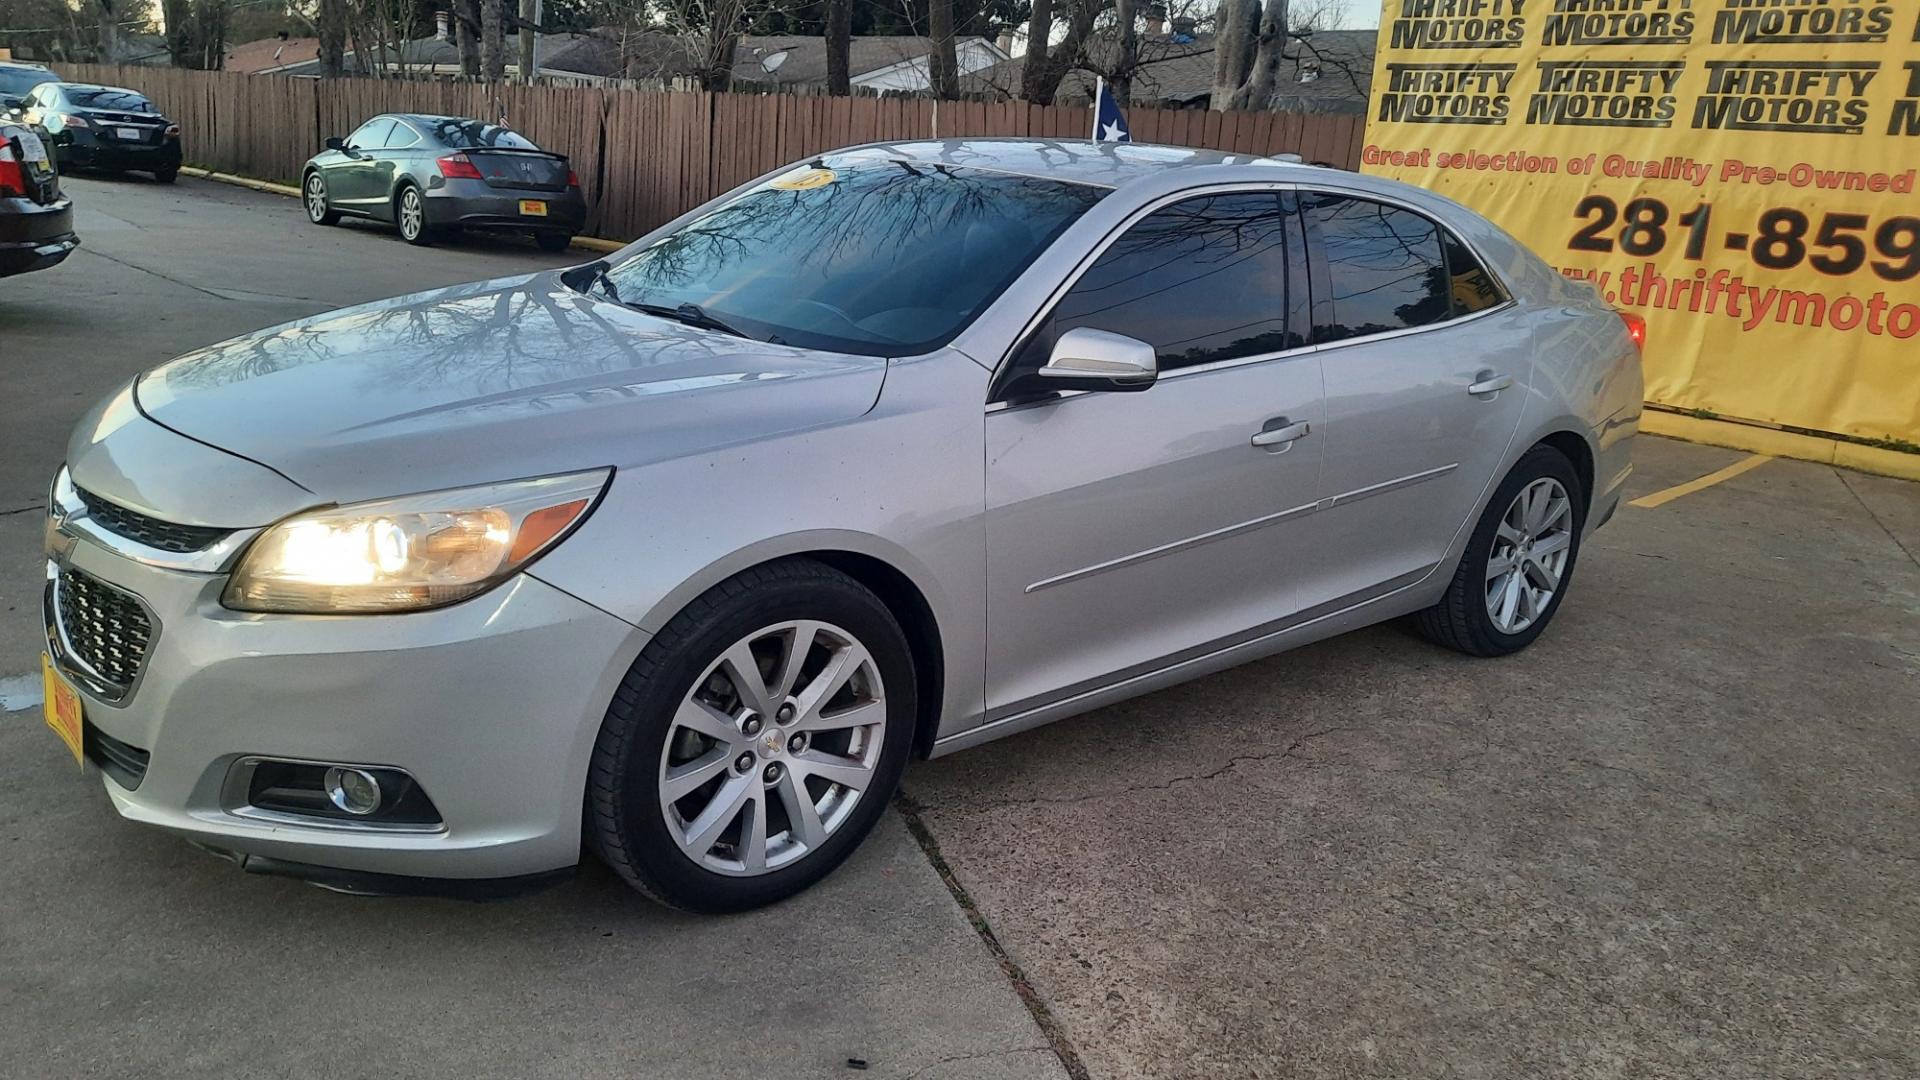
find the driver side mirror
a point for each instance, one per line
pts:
(1089, 359)
(336, 143)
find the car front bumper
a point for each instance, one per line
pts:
(491, 706)
(476, 204)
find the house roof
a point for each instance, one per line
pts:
(806, 61)
(269, 53)
(1180, 74)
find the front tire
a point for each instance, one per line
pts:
(1518, 563)
(755, 741)
(410, 213)
(314, 194)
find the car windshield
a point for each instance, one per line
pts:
(474, 135)
(106, 97)
(16, 81)
(857, 253)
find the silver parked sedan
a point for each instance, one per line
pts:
(681, 555)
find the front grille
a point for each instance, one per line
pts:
(125, 762)
(165, 535)
(107, 630)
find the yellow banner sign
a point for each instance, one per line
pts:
(1739, 172)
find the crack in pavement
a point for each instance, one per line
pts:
(1848, 484)
(217, 294)
(1008, 1052)
(1232, 763)
(21, 510)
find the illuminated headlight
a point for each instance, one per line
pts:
(409, 553)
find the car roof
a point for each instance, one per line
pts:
(1077, 160)
(99, 86)
(23, 65)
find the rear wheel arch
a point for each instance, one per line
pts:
(1577, 450)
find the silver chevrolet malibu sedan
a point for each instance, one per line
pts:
(678, 557)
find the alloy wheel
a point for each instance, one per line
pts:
(411, 217)
(316, 197)
(771, 750)
(1529, 556)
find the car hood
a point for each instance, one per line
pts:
(492, 381)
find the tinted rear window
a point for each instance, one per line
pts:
(15, 82)
(1384, 267)
(472, 135)
(103, 97)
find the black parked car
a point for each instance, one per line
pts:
(435, 174)
(106, 127)
(15, 80)
(36, 221)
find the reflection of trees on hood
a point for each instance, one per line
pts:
(493, 342)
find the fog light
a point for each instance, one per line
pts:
(353, 790)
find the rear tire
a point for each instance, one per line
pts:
(167, 176)
(410, 213)
(682, 709)
(553, 242)
(1498, 601)
(314, 195)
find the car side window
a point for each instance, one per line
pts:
(1203, 280)
(1384, 267)
(372, 134)
(400, 136)
(1473, 288)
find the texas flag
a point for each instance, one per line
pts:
(1109, 123)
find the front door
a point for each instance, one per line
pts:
(1128, 530)
(351, 181)
(1427, 366)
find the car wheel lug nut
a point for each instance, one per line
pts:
(744, 763)
(771, 772)
(751, 725)
(785, 715)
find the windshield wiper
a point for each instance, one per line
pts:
(692, 315)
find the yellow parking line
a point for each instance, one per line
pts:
(1667, 495)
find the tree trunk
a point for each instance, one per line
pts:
(107, 43)
(1047, 64)
(839, 42)
(493, 49)
(466, 33)
(333, 37)
(179, 15)
(717, 77)
(1234, 25)
(527, 16)
(1127, 58)
(943, 64)
(1264, 77)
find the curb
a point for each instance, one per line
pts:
(1777, 443)
(584, 243)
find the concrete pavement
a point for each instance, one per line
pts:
(1674, 838)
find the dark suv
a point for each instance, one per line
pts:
(36, 221)
(16, 80)
(106, 127)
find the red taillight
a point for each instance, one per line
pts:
(13, 175)
(459, 167)
(573, 178)
(1636, 329)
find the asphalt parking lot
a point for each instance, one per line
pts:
(1677, 837)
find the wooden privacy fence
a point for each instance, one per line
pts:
(645, 157)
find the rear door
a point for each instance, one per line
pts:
(1427, 364)
(1128, 531)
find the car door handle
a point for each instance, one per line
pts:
(1281, 435)
(1490, 384)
